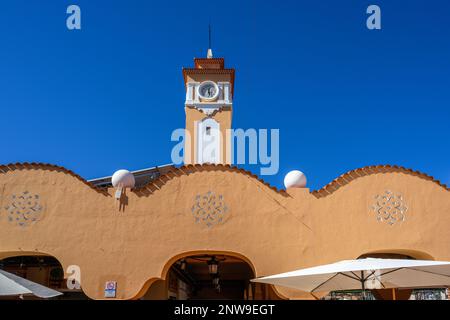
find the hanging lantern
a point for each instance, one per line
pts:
(213, 266)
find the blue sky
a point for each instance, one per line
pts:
(108, 96)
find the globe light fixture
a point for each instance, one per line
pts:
(295, 179)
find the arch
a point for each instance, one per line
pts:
(165, 269)
(419, 255)
(18, 253)
(43, 268)
(177, 257)
(388, 294)
(11, 254)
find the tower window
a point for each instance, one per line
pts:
(208, 131)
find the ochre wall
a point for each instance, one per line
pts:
(223, 117)
(134, 243)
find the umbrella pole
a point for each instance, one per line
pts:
(363, 286)
(393, 294)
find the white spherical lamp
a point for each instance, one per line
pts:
(295, 179)
(123, 178)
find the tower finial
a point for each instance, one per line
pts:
(209, 55)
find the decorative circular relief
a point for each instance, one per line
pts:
(390, 207)
(209, 209)
(24, 209)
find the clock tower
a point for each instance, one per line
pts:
(209, 108)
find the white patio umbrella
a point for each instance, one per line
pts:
(12, 285)
(369, 273)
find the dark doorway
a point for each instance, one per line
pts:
(42, 269)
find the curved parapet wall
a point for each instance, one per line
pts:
(48, 209)
(369, 170)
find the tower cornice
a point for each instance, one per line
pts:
(195, 71)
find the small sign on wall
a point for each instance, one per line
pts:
(110, 289)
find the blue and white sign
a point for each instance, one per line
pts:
(110, 289)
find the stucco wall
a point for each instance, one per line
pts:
(134, 242)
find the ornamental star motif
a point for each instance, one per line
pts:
(209, 209)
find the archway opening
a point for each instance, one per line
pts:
(411, 293)
(42, 269)
(381, 255)
(209, 277)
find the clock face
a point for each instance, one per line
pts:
(208, 90)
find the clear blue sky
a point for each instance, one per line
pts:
(108, 96)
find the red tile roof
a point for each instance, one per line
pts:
(46, 166)
(348, 177)
(189, 169)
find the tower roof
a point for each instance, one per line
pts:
(209, 63)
